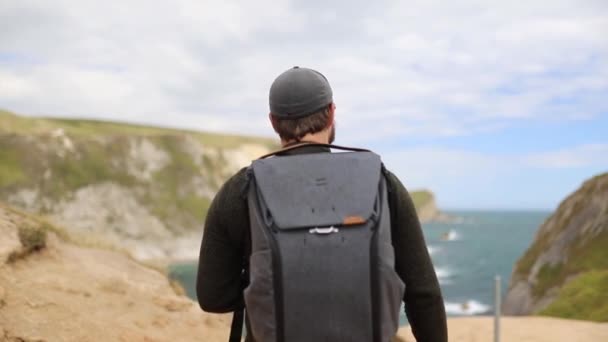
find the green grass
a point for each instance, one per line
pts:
(548, 276)
(11, 172)
(585, 254)
(92, 163)
(525, 263)
(585, 298)
(169, 196)
(421, 198)
(590, 254)
(100, 154)
(13, 123)
(174, 198)
(24, 163)
(194, 205)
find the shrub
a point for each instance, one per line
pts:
(32, 238)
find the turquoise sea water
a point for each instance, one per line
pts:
(467, 254)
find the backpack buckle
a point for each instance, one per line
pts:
(324, 231)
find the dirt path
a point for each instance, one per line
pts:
(71, 293)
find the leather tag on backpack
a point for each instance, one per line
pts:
(353, 220)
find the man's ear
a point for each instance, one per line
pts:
(273, 122)
(332, 114)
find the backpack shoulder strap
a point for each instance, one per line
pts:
(239, 315)
(236, 328)
(306, 143)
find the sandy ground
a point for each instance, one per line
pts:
(521, 329)
(70, 293)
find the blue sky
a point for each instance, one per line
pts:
(490, 104)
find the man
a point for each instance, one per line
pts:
(302, 111)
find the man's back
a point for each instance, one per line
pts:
(226, 242)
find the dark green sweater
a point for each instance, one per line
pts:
(226, 240)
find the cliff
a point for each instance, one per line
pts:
(146, 189)
(564, 273)
(55, 287)
(143, 188)
(426, 206)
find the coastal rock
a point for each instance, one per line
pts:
(519, 299)
(572, 242)
(145, 159)
(426, 207)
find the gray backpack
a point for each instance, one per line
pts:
(322, 262)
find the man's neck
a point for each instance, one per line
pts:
(309, 138)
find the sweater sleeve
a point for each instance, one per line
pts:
(219, 283)
(423, 300)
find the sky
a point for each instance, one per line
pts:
(490, 104)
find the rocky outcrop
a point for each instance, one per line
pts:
(426, 207)
(569, 245)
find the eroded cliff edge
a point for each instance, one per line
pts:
(565, 271)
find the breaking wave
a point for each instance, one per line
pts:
(451, 235)
(433, 249)
(467, 308)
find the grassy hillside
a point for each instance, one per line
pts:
(584, 253)
(10, 122)
(568, 259)
(96, 143)
(89, 152)
(586, 298)
(135, 183)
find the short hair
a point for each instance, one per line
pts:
(296, 129)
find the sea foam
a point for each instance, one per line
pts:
(467, 308)
(433, 249)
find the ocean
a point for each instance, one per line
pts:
(467, 254)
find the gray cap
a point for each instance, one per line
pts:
(299, 92)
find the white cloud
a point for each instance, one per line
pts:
(465, 179)
(432, 165)
(574, 157)
(431, 68)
